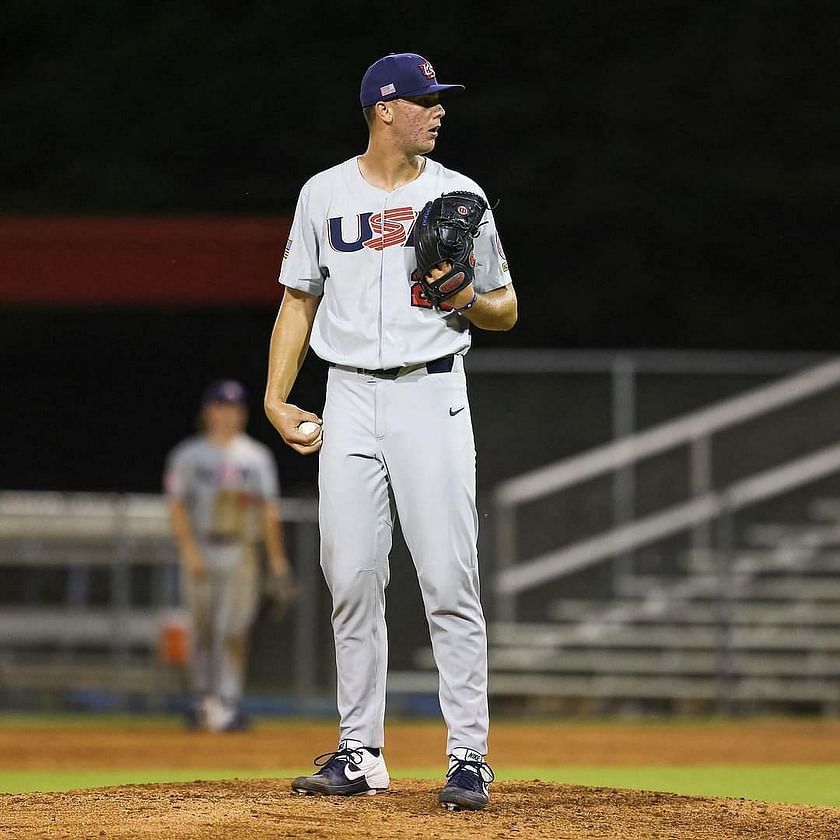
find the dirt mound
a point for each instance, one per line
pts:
(266, 809)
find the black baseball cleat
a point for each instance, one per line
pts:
(346, 772)
(466, 781)
(239, 722)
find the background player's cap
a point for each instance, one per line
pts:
(397, 75)
(224, 390)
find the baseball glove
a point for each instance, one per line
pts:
(445, 232)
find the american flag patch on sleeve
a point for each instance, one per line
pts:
(287, 249)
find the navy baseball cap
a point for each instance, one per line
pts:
(397, 75)
(225, 391)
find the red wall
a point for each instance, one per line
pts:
(186, 260)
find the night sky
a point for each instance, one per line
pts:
(667, 176)
(666, 171)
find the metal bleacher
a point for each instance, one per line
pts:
(90, 582)
(774, 638)
(690, 566)
(90, 589)
(723, 599)
(772, 643)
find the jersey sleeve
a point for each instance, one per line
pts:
(301, 268)
(491, 269)
(176, 474)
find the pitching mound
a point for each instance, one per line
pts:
(265, 809)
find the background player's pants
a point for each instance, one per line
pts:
(223, 605)
(414, 432)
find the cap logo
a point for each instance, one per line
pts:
(427, 70)
(386, 89)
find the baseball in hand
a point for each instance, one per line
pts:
(308, 427)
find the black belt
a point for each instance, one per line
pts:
(442, 365)
(221, 539)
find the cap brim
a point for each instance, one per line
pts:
(425, 91)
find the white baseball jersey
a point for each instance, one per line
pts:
(353, 243)
(220, 487)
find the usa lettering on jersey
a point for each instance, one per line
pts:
(374, 230)
(353, 247)
(377, 231)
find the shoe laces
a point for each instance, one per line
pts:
(471, 771)
(344, 755)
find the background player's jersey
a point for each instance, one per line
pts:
(353, 243)
(222, 488)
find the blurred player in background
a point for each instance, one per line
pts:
(223, 501)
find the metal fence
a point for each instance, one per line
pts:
(91, 578)
(91, 582)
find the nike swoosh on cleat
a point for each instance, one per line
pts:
(352, 775)
(453, 412)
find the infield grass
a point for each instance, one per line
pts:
(804, 784)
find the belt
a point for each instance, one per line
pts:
(221, 539)
(442, 365)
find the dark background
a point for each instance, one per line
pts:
(667, 175)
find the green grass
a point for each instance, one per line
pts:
(809, 784)
(806, 784)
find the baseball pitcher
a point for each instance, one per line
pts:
(392, 258)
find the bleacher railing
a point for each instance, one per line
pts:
(515, 575)
(119, 531)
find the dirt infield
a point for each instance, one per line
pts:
(272, 745)
(261, 809)
(257, 809)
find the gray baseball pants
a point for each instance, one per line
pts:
(414, 434)
(223, 604)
